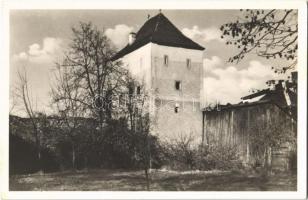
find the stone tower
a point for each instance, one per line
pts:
(170, 66)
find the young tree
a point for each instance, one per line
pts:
(24, 95)
(137, 109)
(65, 94)
(270, 34)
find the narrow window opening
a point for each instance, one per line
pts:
(131, 90)
(178, 85)
(176, 109)
(188, 63)
(166, 60)
(138, 90)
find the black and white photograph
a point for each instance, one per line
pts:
(155, 99)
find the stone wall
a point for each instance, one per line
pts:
(187, 121)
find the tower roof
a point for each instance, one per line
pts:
(159, 30)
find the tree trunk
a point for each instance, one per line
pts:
(38, 150)
(39, 157)
(85, 162)
(73, 156)
(101, 121)
(146, 171)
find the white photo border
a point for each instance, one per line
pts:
(8, 5)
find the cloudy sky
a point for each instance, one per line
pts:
(37, 39)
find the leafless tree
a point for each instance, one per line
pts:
(64, 95)
(25, 97)
(13, 100)
(183, 149)
(88, 61)
(137, 110)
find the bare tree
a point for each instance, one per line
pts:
(64, 95)
(88, 61)
(137, 110)
(13, 100)
(270, 34)
(182, 150)
(24, 94)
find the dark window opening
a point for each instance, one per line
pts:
(131, 90)
(188, 63)
(165, 60)
(178, 85)
(176, 109)
(138, 90)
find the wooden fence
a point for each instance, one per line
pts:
(240, 125)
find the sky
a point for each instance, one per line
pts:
(39, 37)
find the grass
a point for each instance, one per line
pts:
(125, 180)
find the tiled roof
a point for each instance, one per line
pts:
(159, 30)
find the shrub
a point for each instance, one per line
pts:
(184, 154)
(181, 153)
(218, 157)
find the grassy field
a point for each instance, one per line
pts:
(120, 180)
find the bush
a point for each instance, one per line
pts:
(123, 148)
(23, 157)
(219, 157)
(181, 153)
(184, 154)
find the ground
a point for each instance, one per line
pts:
(161, 180)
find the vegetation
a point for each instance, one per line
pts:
(271, 34)
(272, 137)
(184, 154)
(128, 180)
(101, 113)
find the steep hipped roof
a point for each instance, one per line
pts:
(159, 30)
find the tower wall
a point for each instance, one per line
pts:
(147, 64)
(138, 63)
(187, 121)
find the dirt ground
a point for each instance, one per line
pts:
(124, 180)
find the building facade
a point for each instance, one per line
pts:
(170, 66)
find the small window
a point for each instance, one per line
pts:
(176, 109)
(131, 90)
(138, 90)
(178, 85)
(188, 63)
(166, 60)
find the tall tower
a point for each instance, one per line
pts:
(170, 66)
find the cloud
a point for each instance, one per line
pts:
(36, 53)
(212, 63)
(205, 35)
(229, 84)
(119, 34)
